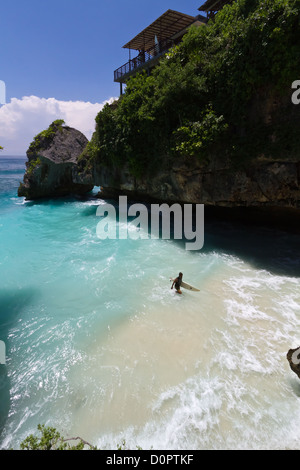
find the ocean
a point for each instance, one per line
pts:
(98, 345)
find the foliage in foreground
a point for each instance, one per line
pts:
(209, 95)
(51, 439)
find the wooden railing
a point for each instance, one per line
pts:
(143, 58)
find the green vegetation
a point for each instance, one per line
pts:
(32, 165)
(45, 137)
(214, 94)
(51, 439)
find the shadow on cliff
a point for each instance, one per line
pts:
(252, 237)
(12, 303)
(264, 247)
(260, 238)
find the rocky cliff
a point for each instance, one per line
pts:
(267, 186)
(262, 184)
(266, 182)
(51, 170)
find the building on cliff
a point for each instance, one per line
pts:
(154, 41)
(211, 7)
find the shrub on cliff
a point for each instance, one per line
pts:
(45, 137)
(210, 94)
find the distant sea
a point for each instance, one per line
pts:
(98, 345)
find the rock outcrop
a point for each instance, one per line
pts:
(51, 170)
(265, 192)
(264, 183)
(293, 357)
(270, 188)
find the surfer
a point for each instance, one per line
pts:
(177, 283)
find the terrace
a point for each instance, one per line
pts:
(154, 41)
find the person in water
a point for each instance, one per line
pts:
(177, 283)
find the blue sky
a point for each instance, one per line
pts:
(67, 51)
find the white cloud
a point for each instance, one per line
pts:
(22, 119)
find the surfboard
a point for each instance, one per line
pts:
(187, 286)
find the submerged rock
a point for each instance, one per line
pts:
(293, 357)
(51, 170)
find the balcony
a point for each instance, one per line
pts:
(145, 60)
(154, 41)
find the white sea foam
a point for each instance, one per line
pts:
(91, 202)
(19, 201)
(100, 346)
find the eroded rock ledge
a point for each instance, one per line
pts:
(266, 192)
(263, 184)
(266, 189)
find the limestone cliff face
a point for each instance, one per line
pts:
(267, 177)
(264, 183)
(51, 170)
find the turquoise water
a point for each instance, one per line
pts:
(99, 346)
